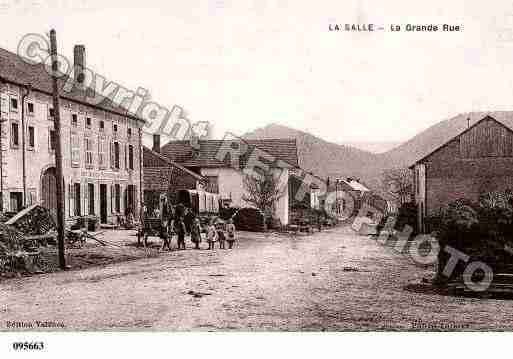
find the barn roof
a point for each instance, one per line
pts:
(148, 152)
(504, 118)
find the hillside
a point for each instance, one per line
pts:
(329, 159)
(322, 157)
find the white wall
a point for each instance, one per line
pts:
(231, 186)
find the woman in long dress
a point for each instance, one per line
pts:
(196, 233)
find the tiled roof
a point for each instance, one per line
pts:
(14, 70)
(149, 157)
(183, 153)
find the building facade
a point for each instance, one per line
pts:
(222, 165)
(101, 148)
(476, 161)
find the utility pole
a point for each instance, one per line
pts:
(1, 160)
(141, 195)
(58, 151)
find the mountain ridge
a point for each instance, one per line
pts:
(329, 159)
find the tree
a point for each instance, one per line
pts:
(263, 191)
(398, 182)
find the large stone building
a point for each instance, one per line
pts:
(101, 146)
(477, 160)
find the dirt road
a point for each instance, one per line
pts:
(332, 280)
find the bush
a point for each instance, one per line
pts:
(406, 215)
(249, 219)
(480, 230)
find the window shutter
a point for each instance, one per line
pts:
(126, 154)
(86, 199)
(71, 194)
(120, 156)
(4, 105)
(112, 164)
(112, 195)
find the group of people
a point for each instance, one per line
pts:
(213, 233)
(173, 224)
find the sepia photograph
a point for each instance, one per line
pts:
(170, 169)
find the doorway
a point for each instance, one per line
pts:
(103, 203)
(90, 196)
(16, 199)
(78, 200)
(49, 191)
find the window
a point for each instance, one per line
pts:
(75, 150)
(115, 128)
(51, 113)
(129, 132)
(15, 138)
(88, 152)
(52, 140)
(74, 120)
(30, 108)
(101, 153)
(102, 126)
(131, 157)
(31, 137)
(114, 162)
(88, 122)
(14, 104)
(117, 193)
(212, 184)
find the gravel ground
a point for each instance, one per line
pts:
(333, 280)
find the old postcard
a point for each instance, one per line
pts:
(255, 166)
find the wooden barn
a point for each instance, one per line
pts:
(477, 160)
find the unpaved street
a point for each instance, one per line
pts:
(332, 280)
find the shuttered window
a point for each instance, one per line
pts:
(75, 150)
(88, 142)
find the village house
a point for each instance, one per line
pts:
(305, 189)
(101, 145)
(477, 160)
(222, 168)
(163, 177)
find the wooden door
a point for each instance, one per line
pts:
(49, 191)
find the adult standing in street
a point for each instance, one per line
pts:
(196, 233)
(230, 228)
(180, 232)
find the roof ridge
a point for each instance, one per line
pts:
(173, 163)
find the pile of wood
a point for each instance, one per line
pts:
(33, 220)
(17, 252)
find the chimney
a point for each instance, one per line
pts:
(468, 122)
(156, 143)
(79, 62)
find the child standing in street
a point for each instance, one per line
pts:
(221, 236)
(230, 228)
(211, 235)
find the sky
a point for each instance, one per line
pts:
(244, 64)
